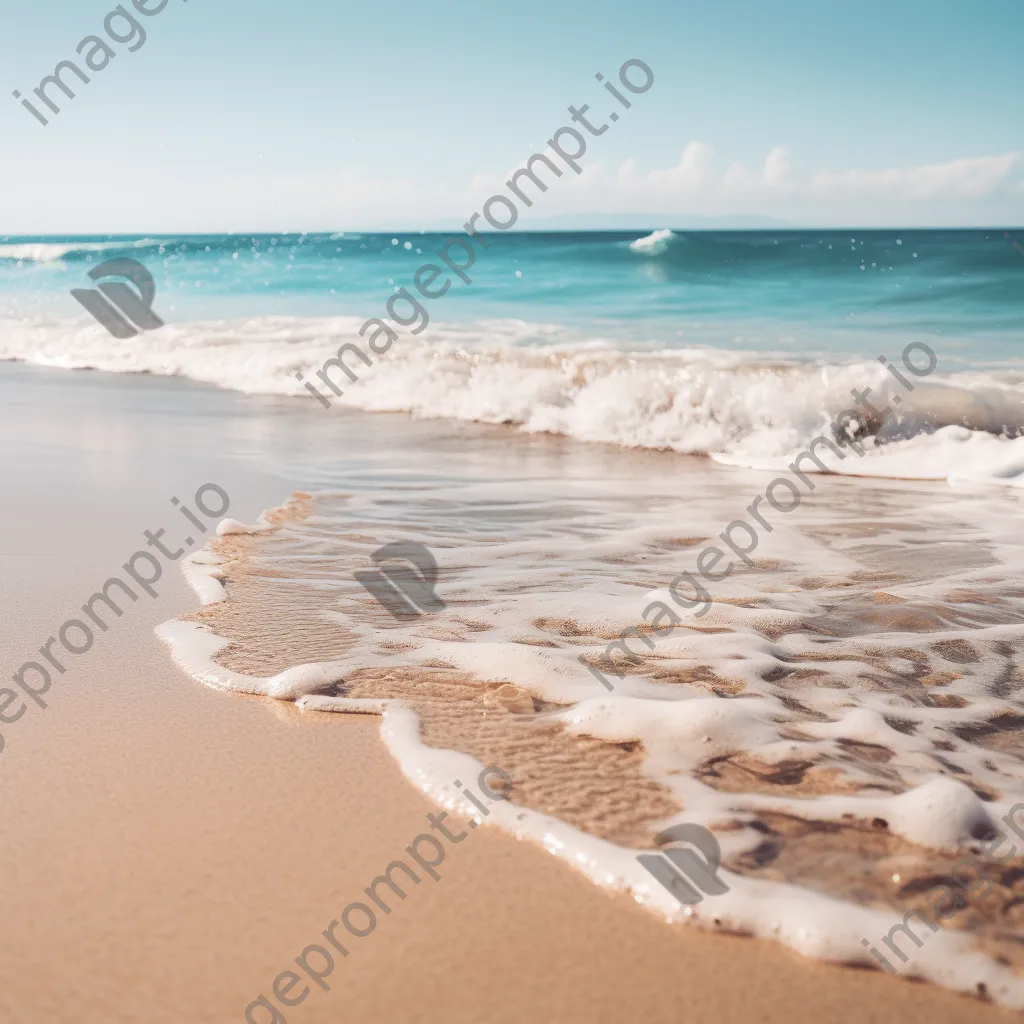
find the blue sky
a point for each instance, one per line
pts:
(326, 115)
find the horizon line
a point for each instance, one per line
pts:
(524, 231)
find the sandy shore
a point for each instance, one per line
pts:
(168, 850)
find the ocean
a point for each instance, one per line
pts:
(590, 416)
(736, 343)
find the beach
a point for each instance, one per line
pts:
(171, 848)
(512, 517)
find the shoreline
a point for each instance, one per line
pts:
(951, 961)
(170, 848)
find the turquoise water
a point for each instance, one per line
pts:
(788, 291)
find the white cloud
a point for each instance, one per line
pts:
(970, 190)
(965, 190)
(774, 175)
(970, 177)
(690, 176)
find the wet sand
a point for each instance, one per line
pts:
(168, 849)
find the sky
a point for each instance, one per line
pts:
(317, 115)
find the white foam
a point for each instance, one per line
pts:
(202, 570)
(230, 526)
(54, 252)
(750, 409)
(574, 571)
(653, 244)
(810, 923)
(194, 649)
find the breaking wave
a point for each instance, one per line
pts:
(653, 244)
(55, 252)
(746, 408)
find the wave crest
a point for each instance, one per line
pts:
(749, 408)
(654, 243)
(54, 252)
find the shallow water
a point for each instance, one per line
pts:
(844, 715)
(842, 709)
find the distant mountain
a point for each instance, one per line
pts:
(641, 222)
(651, 222)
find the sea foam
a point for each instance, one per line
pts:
(746, 408)
(844, 684)
(54, 252)
(654, 243)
